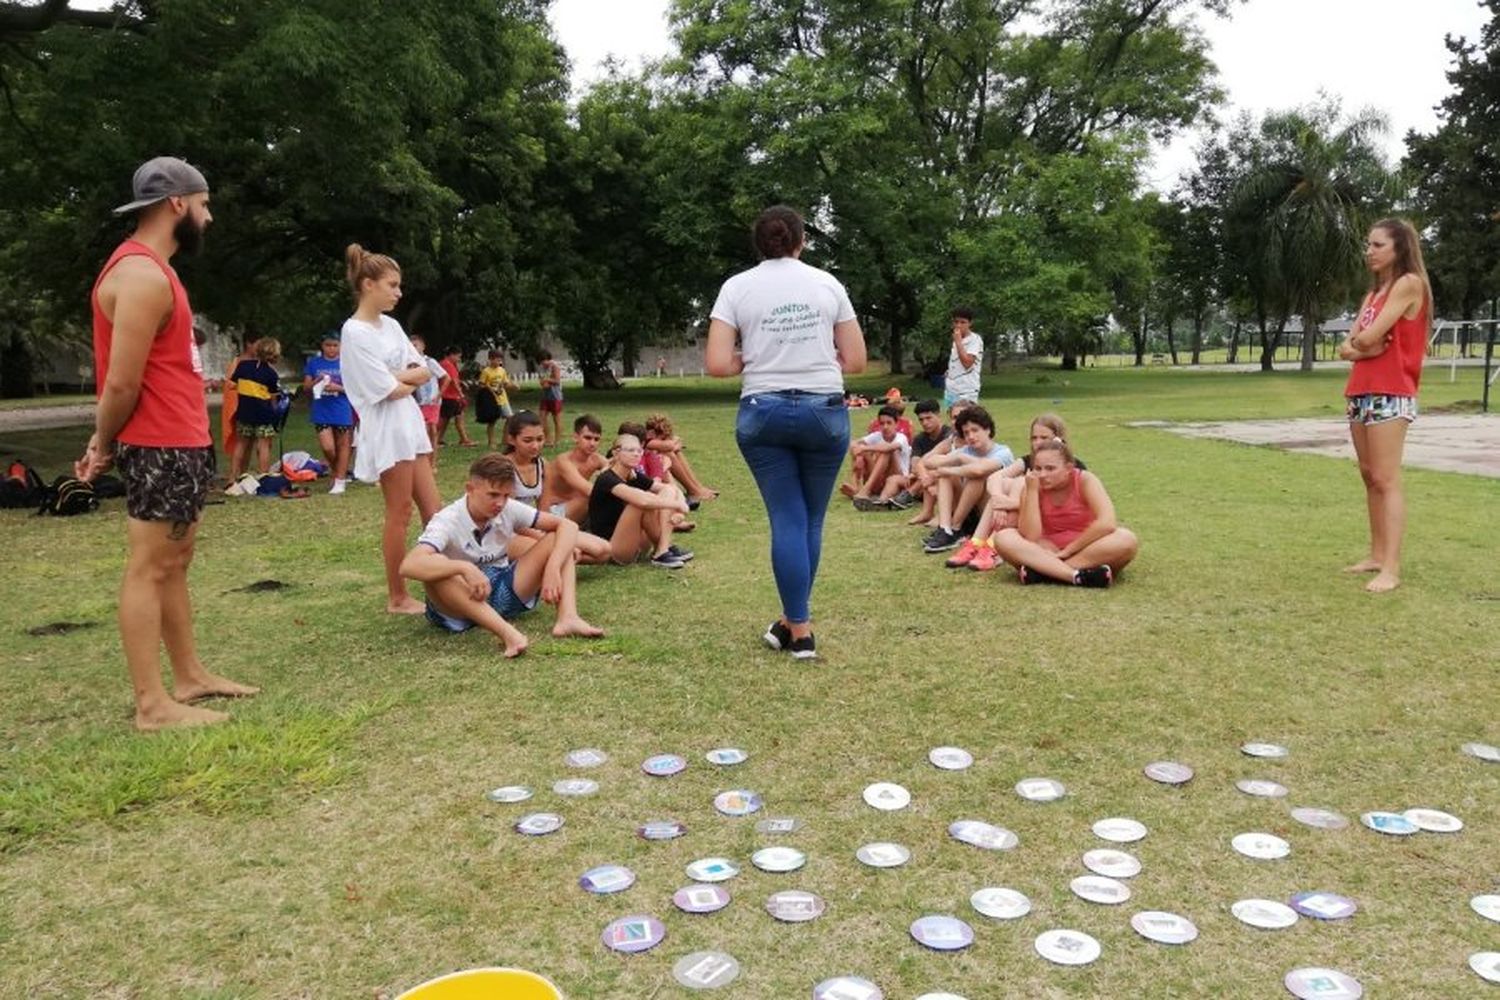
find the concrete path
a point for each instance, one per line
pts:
(36, 418)
(1467, 443)
(40, 417)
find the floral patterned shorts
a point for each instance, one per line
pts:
(1377, 408)
(165, 484)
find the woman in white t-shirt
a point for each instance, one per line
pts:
(797, 336)
(381, 372)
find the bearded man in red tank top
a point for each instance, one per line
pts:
(152, 421)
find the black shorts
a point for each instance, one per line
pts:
(165, 484)
(451, 408)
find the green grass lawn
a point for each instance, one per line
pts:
(334, 840)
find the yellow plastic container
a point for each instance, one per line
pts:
(485, 984)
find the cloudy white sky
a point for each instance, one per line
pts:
(1272, 54)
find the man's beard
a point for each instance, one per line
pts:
(188, 234)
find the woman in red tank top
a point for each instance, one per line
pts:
(1067, 531)
(1387, 345)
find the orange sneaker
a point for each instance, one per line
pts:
(984, 560)
(965, 555)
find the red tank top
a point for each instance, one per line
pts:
(1398, 370)
(172, 411)
(1061, 523)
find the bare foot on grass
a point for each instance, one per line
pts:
(576, 627)
(172, 715)
(406, 606)
(1363, 566)
(848, 489)
(1383, 583)
(209, 685)
(515, 649)
(919, 519)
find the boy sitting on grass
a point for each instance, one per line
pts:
(461, 561)
(568, 488)
(859, 459)
(887, 455)
(934, 432)
(960, 477)
(924, 470)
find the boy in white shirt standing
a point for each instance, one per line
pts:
(461, 561)
(962, 383)
(888, 455)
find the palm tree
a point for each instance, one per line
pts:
(1317, 186)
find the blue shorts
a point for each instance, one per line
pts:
(503, 598)
(949, 399)
(1378, 408)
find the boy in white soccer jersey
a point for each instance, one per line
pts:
(461, 561)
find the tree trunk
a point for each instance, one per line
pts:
(1138, 339)
(1069, 360)
(1234, 343)
(1310, 327)
(599, 377)
(897, 347)
(1269, 341)
(1197, 338)
(17, 370)
(1172, 340)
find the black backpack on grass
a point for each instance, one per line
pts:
(68, 496)
(21, 488)
(107, 487)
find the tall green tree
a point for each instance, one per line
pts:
(901, 125)
(424, 134)
(1317, 183)
(634, 262)
(1456, 174)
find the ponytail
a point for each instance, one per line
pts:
(360, 264)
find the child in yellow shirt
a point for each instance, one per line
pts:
(492, 402)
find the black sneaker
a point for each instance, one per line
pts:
(902, 500)
(941, 540)
(804, 648)
(1095, 576)
(863, 503)
(683, 555)
(778, 636)
(1029, 575)
(667, 560)
(694, 504)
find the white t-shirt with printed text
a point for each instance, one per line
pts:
(903, 449)
(963, 383)
(785, 312)
(454, 533)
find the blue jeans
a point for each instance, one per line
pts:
(794, 443)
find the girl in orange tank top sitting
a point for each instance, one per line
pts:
(1067, 531)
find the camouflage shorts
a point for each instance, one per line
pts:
(165, 484)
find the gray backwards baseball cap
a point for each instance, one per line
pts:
(163, 177)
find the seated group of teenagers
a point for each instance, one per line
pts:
(1045, 513)
(524, 523)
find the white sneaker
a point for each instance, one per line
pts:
(336, 488)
